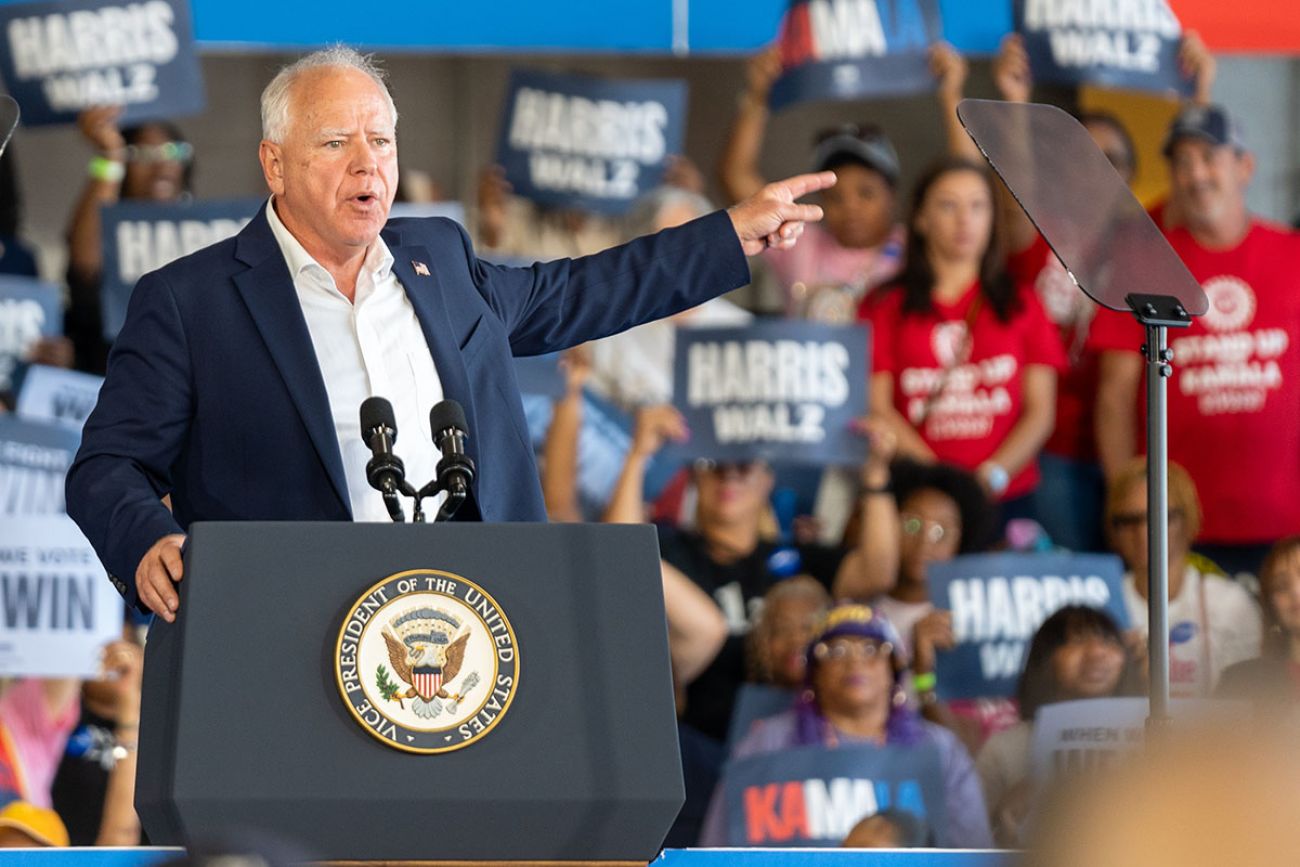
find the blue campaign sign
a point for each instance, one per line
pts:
(29, 310)
(140, 237)
(855, 49)
(1128, 44)
(998, 601)
(756, 701)
(592, 144)
(60, 57)
(52, 394)
(813, 796)
(34, 458)
(782, 392)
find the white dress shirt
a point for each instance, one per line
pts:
(373, 347)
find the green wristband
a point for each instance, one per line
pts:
(105, 169)
(925, 682)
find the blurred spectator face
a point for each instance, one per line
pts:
(1128, 526)
(1280, 582)
(1111, 143)
(956, 217)
(1088, 665)
(787, 626)
(155, 166)
(859, 209)
(852, 674)
(335, 174)
(1208, 182)
(874, 832)
(931, 532)
(732, 493)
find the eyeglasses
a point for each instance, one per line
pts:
(744, 469)
(842, 650)
(1133, 520)
(934, 531)
(167, 152)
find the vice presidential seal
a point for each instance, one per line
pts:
(427, 661)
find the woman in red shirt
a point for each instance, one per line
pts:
(964, 361)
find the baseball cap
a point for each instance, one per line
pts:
(865, 143)
(42, 825)
(1210, 123)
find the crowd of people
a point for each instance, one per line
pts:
(1001, 399)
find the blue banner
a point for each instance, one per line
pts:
(52, 394)
(61, 57)
(29, 310)
(998, 601)
(34, 458)
(782, 392)
(140, 237)
(855, 49)
(1126, 44)
(813, 796)
(592, 144)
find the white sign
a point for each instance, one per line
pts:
(58, 396)
(57, 607)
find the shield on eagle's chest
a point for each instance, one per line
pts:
(427, 680)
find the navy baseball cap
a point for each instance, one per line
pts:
(866, 144)
(1210, 123)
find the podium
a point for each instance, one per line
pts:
(261, 713)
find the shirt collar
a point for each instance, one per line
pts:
(378, 261)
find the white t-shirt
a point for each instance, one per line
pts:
(904, 616)
(1213, 623)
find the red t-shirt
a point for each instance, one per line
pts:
(1072, 313)
(979, 401)
(1234, 399)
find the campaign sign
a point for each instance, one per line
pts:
(29, 310)
(756, 701)
(813, 796)
(34, 458)
(775, 391)
(57, 608)
(1128, 44)
(998, 601)
(61, 57)
(52, 394)
(855, 49)
(592, 144)
(140, 237)
(1073, 738)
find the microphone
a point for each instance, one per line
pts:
(456, 469)
(385, 471)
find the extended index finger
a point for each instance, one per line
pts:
(802, 185)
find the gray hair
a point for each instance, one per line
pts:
(275, 98)
(645, 212)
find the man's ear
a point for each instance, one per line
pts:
(272, 160)
(1245, 168)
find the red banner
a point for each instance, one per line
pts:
(1252, 27)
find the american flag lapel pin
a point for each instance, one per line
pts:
(420, 268)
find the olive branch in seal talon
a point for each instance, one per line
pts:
(387, 688)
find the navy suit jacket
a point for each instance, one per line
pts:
(213, 394)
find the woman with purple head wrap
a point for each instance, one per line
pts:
(853, 696)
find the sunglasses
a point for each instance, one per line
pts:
(167, 152)
(744, 469)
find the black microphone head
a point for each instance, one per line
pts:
(447, 414)
(376, 413)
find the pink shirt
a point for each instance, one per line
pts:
(38, 739)
(822, 280)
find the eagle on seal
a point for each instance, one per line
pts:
(436, 664)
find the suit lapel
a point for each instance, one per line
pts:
(427, 297)
(268, 292)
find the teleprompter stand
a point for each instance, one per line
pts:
(1109, 246)
(244, 726)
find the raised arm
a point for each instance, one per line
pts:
(85, 247)
(1037, 417)
(1015, 83)
(872, 567)
(950, 72)
(655, 425)
(738, 167)
(560, 451)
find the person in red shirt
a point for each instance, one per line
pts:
(1234, 398)
(964, 360)
(1070, 497)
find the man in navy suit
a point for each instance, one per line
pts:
(235, 383)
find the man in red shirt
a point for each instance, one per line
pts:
(1234, 398)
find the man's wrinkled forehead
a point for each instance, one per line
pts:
(328, 101)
